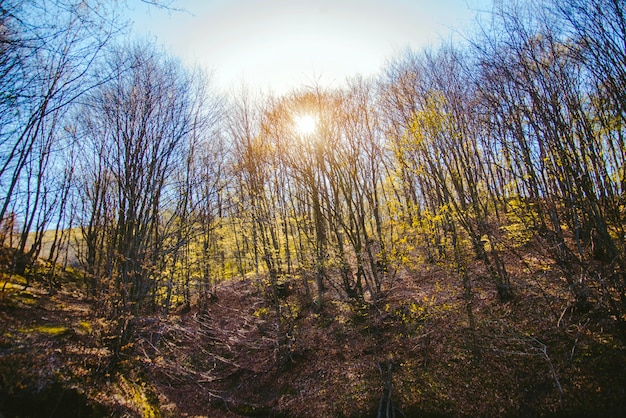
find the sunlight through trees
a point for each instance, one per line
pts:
(160, 187)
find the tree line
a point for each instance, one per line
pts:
(160, 186)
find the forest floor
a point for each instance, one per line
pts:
(535, 355)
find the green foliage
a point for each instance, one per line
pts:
(520, 217)
(513, 147)
(261, 312)
(351, 313)
(411, 316)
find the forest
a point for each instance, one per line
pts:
(444, 239)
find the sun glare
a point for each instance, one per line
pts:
(305, 124)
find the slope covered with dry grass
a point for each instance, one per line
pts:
(536, 355)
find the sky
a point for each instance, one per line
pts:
(280, 45)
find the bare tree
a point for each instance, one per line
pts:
(47, 50)
(552, 81)
(440, 145)
(140, 129)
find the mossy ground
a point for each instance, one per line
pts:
(53, 362)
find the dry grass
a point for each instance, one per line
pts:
(536, 355)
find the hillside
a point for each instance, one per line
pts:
(444, 236)
(536, 355)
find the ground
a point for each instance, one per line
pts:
(535, 355)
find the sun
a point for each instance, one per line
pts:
(305, 124)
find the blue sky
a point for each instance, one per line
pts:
(276, 45)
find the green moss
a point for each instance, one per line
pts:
(141, 398)
(85, 326)
(26, 298)
(7, 286)
(52, 330)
